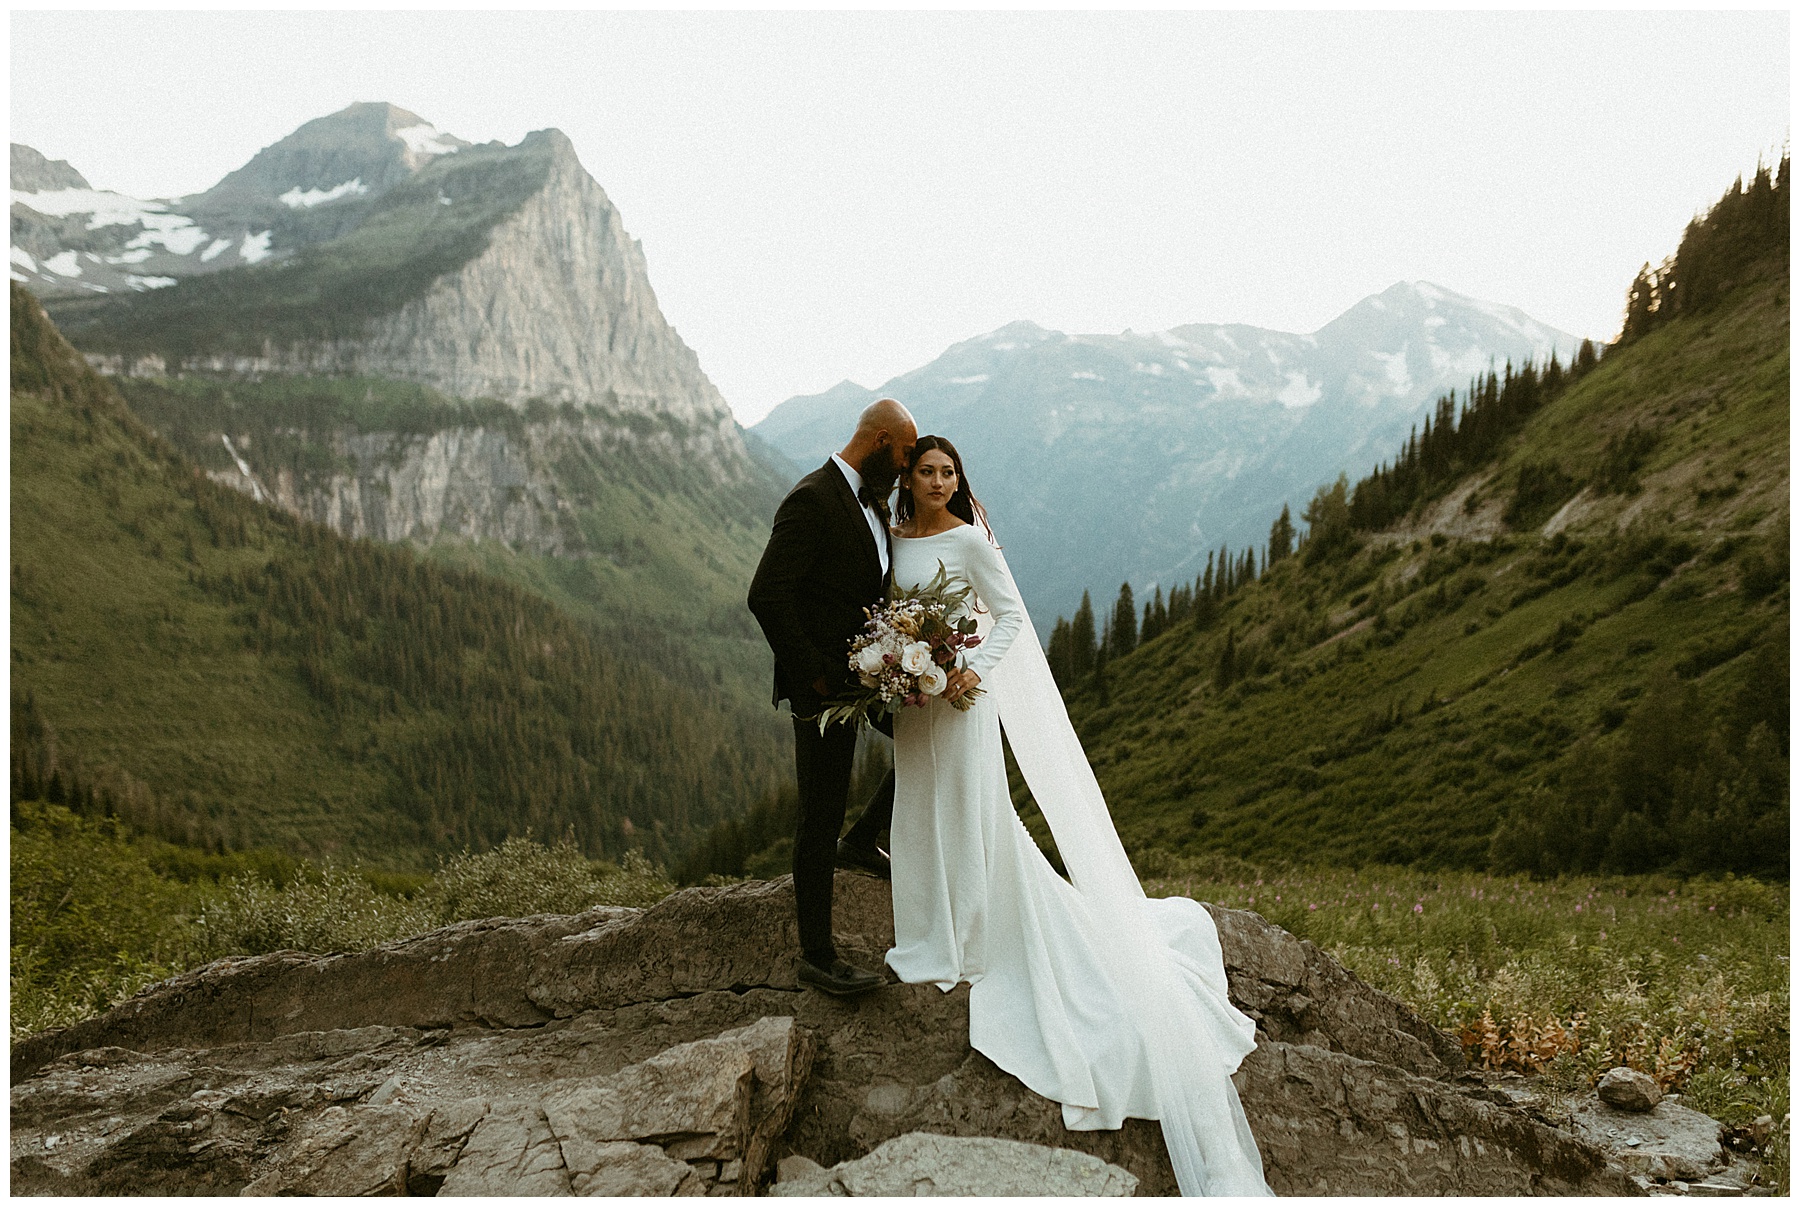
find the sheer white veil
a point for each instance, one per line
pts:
(1203, 1124)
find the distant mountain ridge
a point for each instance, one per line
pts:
(1110, 457)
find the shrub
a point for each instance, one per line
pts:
(521, 877)
(92, 922)
(331, 910)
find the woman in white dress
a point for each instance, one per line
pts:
(1092, 994)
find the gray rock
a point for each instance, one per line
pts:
(1667, 1143)
(1629, 1089)
(920, 1163)
(470, 1114)
(552, 1053)
(795, 1167)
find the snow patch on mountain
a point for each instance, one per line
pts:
(176, 232)
(426, 140)
(255, 247)
(1299, 392)
(1225, 382)
(107, 209)
(296, 198)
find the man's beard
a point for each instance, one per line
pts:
(880, 470)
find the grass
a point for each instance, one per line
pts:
(98, 913)
(1686, 980)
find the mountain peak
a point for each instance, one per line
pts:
(32, 172)
(362, 149)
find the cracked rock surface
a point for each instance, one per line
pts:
(670, 1051)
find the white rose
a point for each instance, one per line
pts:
(915, 658)
(933, 680)
(868, 659)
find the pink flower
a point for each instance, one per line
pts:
(1310, 907)
(1418, 909)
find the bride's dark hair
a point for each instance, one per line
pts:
(963, 504)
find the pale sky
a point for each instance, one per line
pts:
(824, 195)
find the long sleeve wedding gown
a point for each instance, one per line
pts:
(1092, 994)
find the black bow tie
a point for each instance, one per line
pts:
(868, 498)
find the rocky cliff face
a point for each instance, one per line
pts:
(515, 484)
(670, 1051)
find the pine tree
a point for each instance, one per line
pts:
(1059, 653)
(1281, 536)
(1225, 672)
(1082, 644)
(1100, 685)
(1124, 623)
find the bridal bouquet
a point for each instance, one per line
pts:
(905, 652)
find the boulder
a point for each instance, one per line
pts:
(669, 1051)
(920, 1163)
(1629, 1090)
(1667, 1143)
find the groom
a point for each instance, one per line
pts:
(828, 558)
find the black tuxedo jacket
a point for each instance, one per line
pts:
(820, 570)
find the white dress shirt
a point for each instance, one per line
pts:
(869, 513)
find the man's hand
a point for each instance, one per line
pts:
(961, 681)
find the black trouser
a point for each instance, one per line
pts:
(823, 763)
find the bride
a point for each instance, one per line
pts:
(1092, 994)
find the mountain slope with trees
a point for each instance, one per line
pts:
(221, 674)
(1550, 635)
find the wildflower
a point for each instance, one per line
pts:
(1418, 909)
(1312, 907)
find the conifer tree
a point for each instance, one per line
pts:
(1082, 644)
(1281, 536)
(1124, 623)
(1058, 655)
(1225, 672)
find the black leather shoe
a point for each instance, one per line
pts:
(872, 860)
(841, 979)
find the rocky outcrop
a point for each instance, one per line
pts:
(536, 1053)
(1666, 1149)
(921, 1163)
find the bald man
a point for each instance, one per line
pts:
(827, 559)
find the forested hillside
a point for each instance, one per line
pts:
(1549, 635)
(220, 673)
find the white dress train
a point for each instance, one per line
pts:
(1092, 994)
